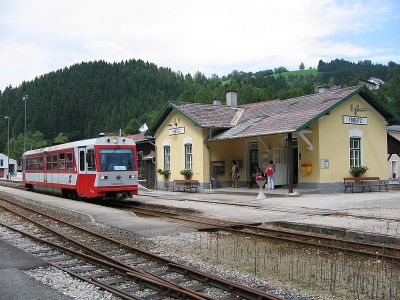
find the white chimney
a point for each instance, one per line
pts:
(231, 99)
(322, 89)
(217, 102)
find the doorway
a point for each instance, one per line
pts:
(254, 161)
(295, 160)
(394, 168)
(295, 157)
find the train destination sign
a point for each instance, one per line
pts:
(355, 120)
(175, 131)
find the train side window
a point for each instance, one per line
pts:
(40, 163)
(70, 161)
(61, 161)
(82, 160)
(48, 162)
(35, 163)
(90, 160)
(55, 161)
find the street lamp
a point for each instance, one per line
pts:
(24, 98)
(8, 146)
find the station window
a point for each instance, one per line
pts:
(188, 157)
(355, 152)
(167, 158)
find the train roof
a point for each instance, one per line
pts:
(103, 140)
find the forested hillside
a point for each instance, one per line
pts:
(82, 100)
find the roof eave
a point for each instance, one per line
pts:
(167, 110)
(160, 118)
(186, 115)
(371, 98)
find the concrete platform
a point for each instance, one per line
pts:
(15, 284)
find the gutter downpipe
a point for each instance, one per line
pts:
(155, 164)
(209, 158)
(262, 142)
(310, 147)
(290, 162)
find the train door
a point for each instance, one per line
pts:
(82, 182)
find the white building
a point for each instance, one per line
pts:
(4, 167)
(393, 150)
(372, 83)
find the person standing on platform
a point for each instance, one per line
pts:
(269, 173)
(235, 174)
(256, 172)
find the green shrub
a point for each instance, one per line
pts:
(166, 173)
(358, 171)
(187, 173)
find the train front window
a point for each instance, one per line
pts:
(116, 160)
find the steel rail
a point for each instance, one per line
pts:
(349, 246)
(213, 280)
(121, 270)
(210, 222)
(325, 240)
(106, 258)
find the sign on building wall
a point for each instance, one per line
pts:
(355, 120)
(324, 163)
(175, 131)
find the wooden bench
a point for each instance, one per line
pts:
(364, 182)
(185, 185)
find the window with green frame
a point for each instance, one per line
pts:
(167, 158)
(188, 157)
(355, 152)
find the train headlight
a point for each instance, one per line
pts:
(104, 177)
(132, 176)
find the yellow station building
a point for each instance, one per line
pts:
(313, 140)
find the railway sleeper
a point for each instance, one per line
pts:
(127, 257)
(114, 281)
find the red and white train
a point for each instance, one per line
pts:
(103, 167)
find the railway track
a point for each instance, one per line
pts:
(122, 269)
(387, 252)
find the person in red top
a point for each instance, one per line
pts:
(269, 173)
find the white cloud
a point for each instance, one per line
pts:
(211, 36)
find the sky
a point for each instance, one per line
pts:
(210, 36)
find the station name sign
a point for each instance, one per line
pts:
(355, 120)
(175, 131)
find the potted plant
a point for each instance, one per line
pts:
(165, 173)
(358, 171)
(187, 173)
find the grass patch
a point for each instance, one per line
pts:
(297, 73)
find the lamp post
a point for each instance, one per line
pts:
(8, 146)
(24, 98)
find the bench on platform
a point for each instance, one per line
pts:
(185, 185)
(364, 182)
